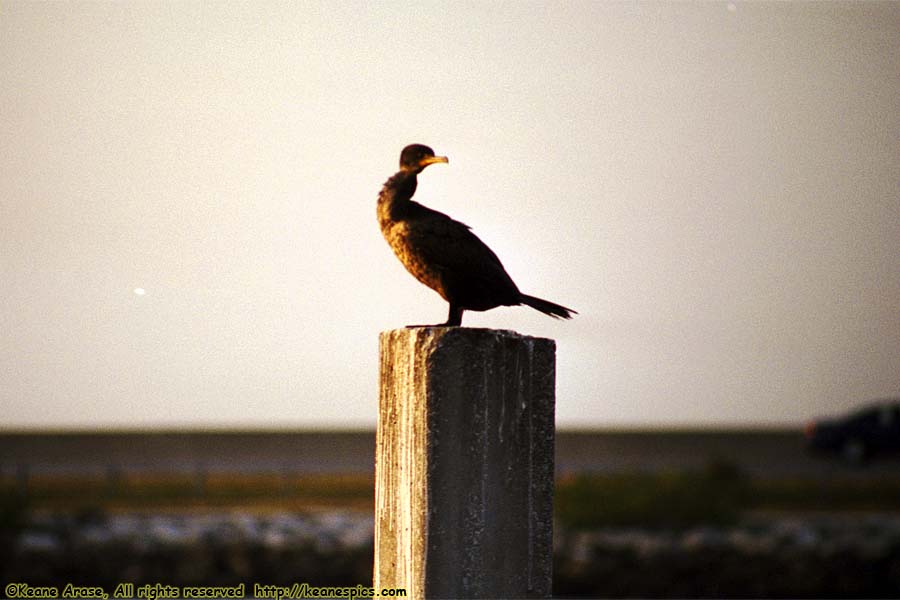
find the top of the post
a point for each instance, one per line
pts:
(422, 338)
(469, 333)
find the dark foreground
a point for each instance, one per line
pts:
(763, 556)
(653, 515)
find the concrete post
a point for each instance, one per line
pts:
(464, 463)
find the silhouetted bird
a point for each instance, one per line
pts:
(444, 254)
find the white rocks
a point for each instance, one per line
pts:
(39, 542)
(813, 554)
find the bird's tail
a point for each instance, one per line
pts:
(548, 308)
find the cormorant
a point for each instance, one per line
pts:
(443, 253)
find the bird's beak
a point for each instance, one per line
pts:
(430, 160)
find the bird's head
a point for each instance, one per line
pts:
(416, 157)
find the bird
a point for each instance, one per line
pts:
(443, 253)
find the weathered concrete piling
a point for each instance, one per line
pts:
(464, 463)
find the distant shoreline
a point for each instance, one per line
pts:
(766, 452)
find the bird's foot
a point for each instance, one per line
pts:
(454, 319)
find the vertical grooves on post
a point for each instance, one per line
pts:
(529, 393)
(464, 460)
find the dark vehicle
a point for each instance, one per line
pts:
(872, 430)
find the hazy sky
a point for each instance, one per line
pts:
(714, 186)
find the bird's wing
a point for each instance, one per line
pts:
(451, 247)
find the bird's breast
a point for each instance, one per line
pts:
(399, 238)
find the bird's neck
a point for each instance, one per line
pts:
(395, 196)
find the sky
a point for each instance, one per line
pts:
(187, 204)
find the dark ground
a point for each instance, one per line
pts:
(758, 553)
